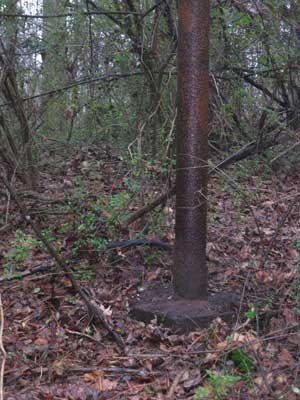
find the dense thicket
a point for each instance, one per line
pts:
(87, 71)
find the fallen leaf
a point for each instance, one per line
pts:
(153, 275)
(285, 359)
(58, 367)
(289, 316)
(96, 378)
(210, 357)
(41, 342)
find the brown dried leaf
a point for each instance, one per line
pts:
(153, 275)
(285, 358)
(40, 341)
(211, 357)
(96, 378)
(289, 316)
(58, 367)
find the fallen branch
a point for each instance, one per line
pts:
(114, 370)
(284, 153)
(83, 335)
(30, 194)
(28, 272)
(246, 151)
(94, 311)
(139, 242)
(148, 207)
(148, 242)
(277, 230)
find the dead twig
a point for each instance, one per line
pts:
(171, 392)
(85, 336)
(2, 349)
(30, 194)
(149, 207)
(4, 228)
(276, 233)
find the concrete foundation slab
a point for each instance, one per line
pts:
(184, 315)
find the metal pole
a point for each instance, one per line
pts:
(190, 268)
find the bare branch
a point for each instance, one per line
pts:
(64, 15)
(104, 78)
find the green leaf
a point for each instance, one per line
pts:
(242, 361)
(245, 19)
(251, 313)
(201, 393)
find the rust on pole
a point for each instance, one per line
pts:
(190, 268)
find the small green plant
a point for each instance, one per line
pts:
(241, 360)
(269, 302)
(116, 205)
(23, 244)
(91, 242)
(87, 276)
(251, 313)
(48, 236)
(295, 295)
(218, 386)
(152, 259)
(64, 228)
(86, 222)
(210, 332)
(131, 184)
(77, 196)
(97, 243)
(157, 225)
(85, 229)
(150, 391)
(297, 244)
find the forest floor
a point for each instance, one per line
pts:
(54, 349)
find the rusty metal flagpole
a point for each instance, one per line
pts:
(190, 269)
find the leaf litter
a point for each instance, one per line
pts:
(54, 350)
